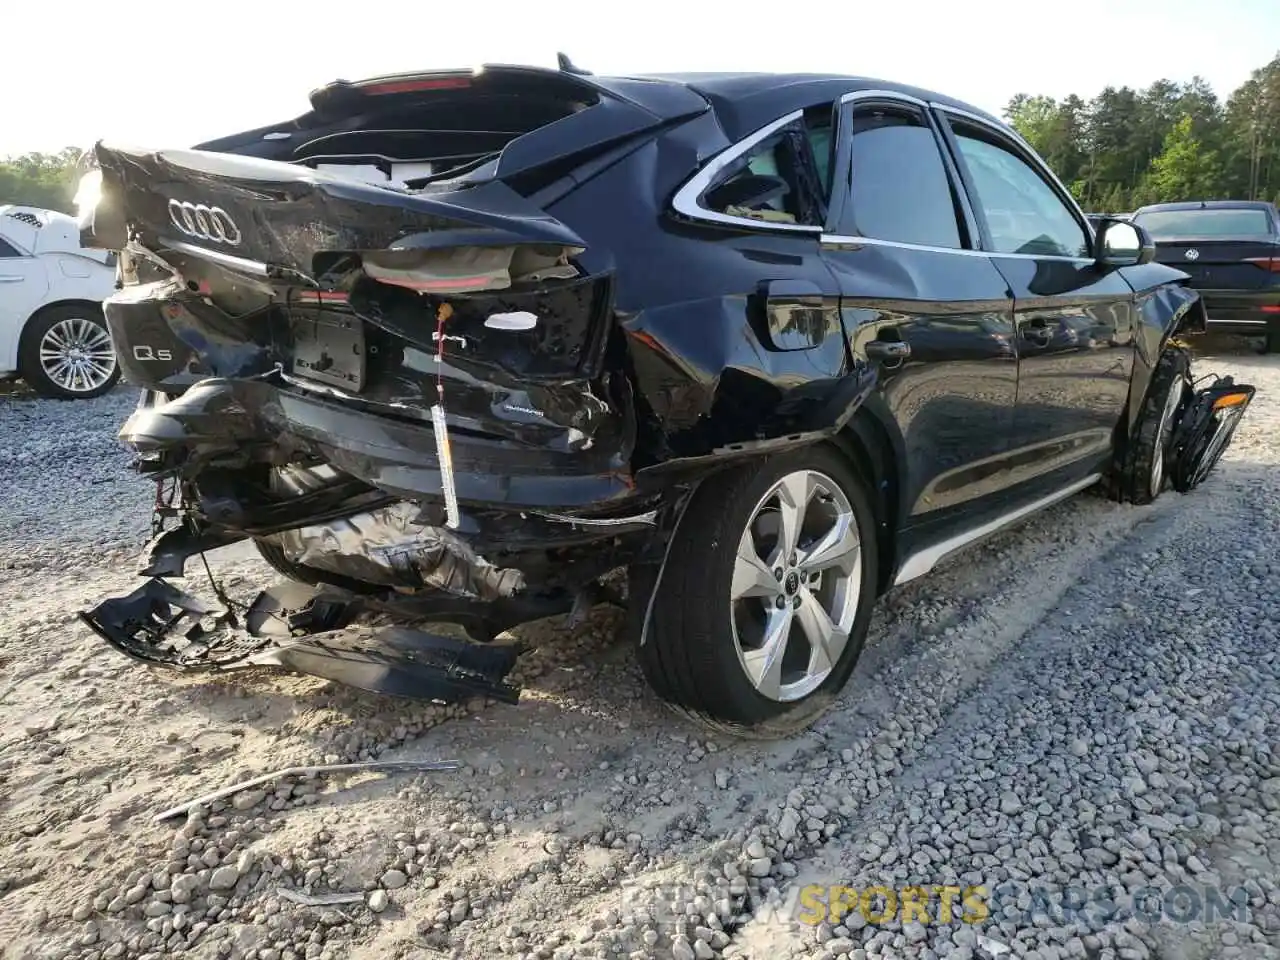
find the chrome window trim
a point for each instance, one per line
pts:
(686, 201)
(1037, 163)
(835, 239)
(906, 98)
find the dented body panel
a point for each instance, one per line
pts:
(491, 361)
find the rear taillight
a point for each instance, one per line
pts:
(1266, 263)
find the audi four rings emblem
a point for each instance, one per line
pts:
(204, 222)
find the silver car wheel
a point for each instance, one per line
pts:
(796, 581)
(77, 355)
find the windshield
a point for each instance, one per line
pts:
(1205, 222)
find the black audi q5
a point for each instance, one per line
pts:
(460, 345)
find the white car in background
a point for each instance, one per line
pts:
(52, 331)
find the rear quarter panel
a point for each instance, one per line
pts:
(687, 301)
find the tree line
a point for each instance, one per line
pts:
(45, 180)
(1170, 141)
(1123, 148)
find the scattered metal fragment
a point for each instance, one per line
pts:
(385, 766)
(320, 900)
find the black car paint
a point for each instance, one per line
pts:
(759, 347)
(1239, 286)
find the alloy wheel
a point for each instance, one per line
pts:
(797, 576)
(77, 355)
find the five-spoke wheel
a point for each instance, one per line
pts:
(763, 605)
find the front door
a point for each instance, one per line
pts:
(1074, 320)
(23, 287)
(917, 300)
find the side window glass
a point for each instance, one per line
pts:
(783, 179)
(1023, 212)
(898, 186)
(7, 250)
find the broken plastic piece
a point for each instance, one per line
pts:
(1205, 430)
(160, 625)
(403, 662)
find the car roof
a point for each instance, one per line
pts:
(743, 101)
(747, 101)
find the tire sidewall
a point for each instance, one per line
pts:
(29, 366)
(737, 690)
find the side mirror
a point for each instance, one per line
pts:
(1122, 243)
(746, 190)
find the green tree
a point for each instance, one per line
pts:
(1184, 170)
(40, 180)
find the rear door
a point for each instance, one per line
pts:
(1074, 320)
(920, 302)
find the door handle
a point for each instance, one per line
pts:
(11, 279)
(888, 350)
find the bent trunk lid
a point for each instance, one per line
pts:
(391, 302)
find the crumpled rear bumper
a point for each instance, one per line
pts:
(217, 416)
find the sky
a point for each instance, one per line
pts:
(175, 73)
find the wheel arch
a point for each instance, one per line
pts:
(869, 447)
(40, 311)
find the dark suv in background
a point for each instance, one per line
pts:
(1231, 250)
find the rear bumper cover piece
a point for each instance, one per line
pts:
(305, 630)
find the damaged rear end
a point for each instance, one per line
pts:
(409, 390)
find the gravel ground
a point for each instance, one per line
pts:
(1087, 703)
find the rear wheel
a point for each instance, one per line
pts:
(1273, 341)
(764, 603)
(1142, 473)
(66, 353)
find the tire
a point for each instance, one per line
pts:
(80, 334)
(699, 640)
(1142, 475)
(1272, 344)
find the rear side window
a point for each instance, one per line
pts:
(783, 179)
(1207, 222)
(898, 186)
(1024, 213)
(7, 250)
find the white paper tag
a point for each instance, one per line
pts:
(445, 455)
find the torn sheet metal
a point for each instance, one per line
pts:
(388, 547)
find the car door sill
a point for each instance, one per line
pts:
(922, 561)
